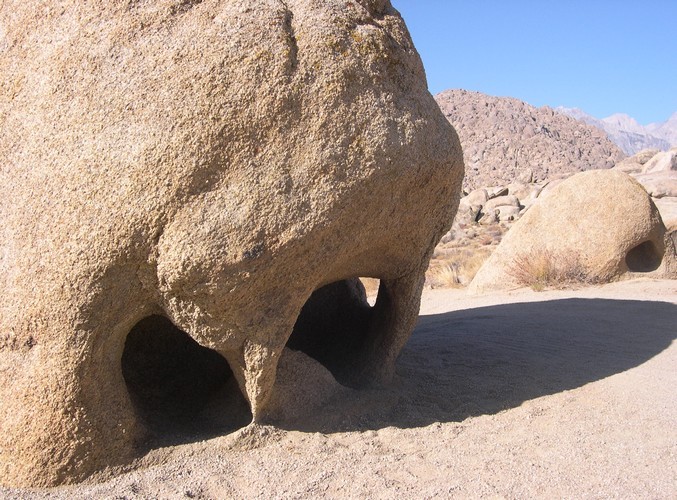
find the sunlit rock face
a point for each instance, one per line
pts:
(191, 171)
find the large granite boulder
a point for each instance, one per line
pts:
(594, 227)
(204, 165)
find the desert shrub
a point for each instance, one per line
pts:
(456, 267)
(470, 262)
(444, 276)
(543, 268)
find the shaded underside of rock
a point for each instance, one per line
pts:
(212, 164)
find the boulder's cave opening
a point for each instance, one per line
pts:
(643, 258)
(180, 389)
(332, 328)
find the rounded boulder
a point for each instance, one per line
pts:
(594, 227)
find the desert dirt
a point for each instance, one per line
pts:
(507, 395)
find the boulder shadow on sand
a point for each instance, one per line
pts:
(485, 360)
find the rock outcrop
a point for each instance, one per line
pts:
(636, 162)
(506, 140)
(595, 226)
(662, 162)
(206, 165)
(657, 172)
(486, 214)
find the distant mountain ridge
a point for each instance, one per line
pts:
(629, 135)
(667, 130)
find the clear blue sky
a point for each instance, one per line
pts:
(602, 56)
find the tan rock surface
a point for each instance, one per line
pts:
(597, 225)
(476, 198)
(664, 161)
(643, 156)
(660, 184)
(210, 163)
(668, 210)
(634, 163)
(508, 200)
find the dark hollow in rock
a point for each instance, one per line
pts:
(644, 258)
(332, 328)
(178, 387)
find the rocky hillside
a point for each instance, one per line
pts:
(629, 135)
(505, 139)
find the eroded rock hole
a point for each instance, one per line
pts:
(371, 288)
(643, 258)
(180, 389)
(332, 328)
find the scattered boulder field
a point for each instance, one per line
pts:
(655, 170)
(486, 214)
(514, 155)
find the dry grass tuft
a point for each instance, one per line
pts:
(541, 269)
(444, 276)
(456, 267)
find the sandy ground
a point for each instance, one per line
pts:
(523, 394)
